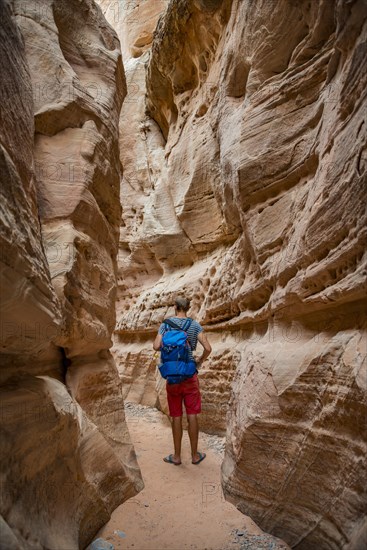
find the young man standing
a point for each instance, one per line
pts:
(187, 391)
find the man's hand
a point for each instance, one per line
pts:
(207, 348)
(157, 342)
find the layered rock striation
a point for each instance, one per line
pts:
(250, 199)
(67, 457)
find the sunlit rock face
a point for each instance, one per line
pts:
(134, 22)
(67, 456)
(248, 195)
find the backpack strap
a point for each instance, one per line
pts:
(174, 325)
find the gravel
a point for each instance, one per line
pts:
(215, 443)
(136, 411)
(264, 541)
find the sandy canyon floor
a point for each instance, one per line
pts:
(181, 507)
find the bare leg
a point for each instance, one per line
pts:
(193, 429)
(177, 437)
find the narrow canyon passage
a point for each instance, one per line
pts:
(208, 149)
(181, 507)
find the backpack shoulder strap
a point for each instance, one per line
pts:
(172, 324)
(186, 327)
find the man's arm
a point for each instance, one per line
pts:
(203, 339)
(157, 342)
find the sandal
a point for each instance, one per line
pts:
(170, 460)
(202, 456)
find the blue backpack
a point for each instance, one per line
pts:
(176, 364)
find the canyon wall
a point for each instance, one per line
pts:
(245, 189)
(67, 458)
(142, 156)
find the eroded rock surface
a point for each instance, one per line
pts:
(67, 457)
(253, 205)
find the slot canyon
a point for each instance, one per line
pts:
(213, 149)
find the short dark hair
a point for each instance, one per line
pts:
(182, 304)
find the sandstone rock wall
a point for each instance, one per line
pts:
(142, 156)
(254, 207)
(67, 457)
(134, 22)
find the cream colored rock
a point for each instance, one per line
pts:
(65, 479)
(141, 147)
(77, 107)
(294, 446)
(30, 313)
(257, 213)
(134, 22)
(142, 155)
(67, 456)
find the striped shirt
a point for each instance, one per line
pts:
(192, 333)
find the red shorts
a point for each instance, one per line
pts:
(187, 391)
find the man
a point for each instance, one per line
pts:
(187, 391)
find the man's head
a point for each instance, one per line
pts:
(182, 304)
